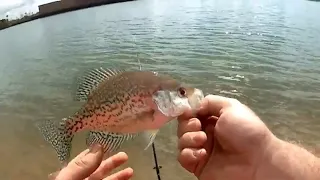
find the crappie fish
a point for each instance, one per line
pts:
(121, 104)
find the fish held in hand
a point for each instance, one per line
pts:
(122, 103)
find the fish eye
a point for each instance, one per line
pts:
(182, 91)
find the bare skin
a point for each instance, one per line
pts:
(88, 165)
(227, 140)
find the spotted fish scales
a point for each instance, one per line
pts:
(120, 105)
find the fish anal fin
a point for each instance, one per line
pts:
(108, 140)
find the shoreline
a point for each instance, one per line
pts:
(61, 11)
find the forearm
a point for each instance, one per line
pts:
(287, 161)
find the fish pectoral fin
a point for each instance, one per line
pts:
(150, 135)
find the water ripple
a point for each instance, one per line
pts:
(264, 53)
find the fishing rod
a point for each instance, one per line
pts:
(157, 167)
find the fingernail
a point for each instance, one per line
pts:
(53, 175)
(95, 148)
(198, 153)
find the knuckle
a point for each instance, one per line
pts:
(233, 101)
(192, 124)
(179, 158)
(184, 156)
(187, 137)
(183, 141)
(181, 144)
(191, 139)
(181, 128)
(186, 160)
(210, 96)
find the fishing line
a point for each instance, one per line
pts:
(157, 167)
(140, 67)
(134, 40)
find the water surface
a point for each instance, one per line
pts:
(266, 53)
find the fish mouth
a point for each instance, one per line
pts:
(195, 100)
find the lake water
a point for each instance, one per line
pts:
(266, 53)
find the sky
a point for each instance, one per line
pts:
(13, 8)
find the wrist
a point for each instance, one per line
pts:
(284, 161)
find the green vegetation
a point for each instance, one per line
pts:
(26, 17)
(6, 23)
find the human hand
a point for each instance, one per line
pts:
(88, 165)
(225, 141)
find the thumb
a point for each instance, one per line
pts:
(83, 165)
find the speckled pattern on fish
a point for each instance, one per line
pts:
(122, 103)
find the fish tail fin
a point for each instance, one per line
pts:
(150, 135)
(59, 138)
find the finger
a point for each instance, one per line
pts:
(125, 174)
(208, 147)
(192, 140)
(190, 157)
(210, 139)
(186, 115)
(190, 125)
(83, 165)
(213, 104)
(208, 121)
(108, 165)
(54, 175)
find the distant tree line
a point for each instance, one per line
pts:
(24, 17)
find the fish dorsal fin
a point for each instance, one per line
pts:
(150, 135)
(91, 80)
